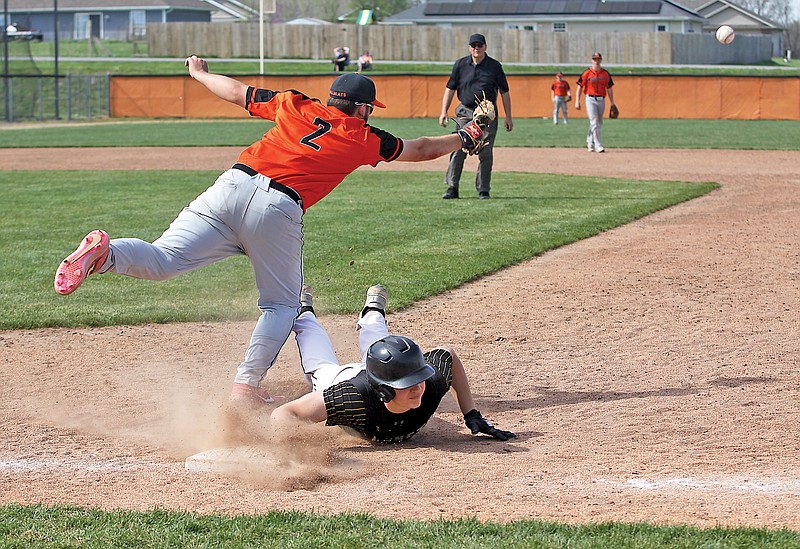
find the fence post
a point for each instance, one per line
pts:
(10, 100)
(40, 89)
(69, 96)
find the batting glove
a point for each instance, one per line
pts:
(478, 424)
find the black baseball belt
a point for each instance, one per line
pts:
(288, 191)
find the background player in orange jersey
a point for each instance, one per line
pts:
(595, 82)
(560, 94)
(256, 207)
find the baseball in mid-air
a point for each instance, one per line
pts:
(725, 34)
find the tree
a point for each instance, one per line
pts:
(779, 11)
(793, 38)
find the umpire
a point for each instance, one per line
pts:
(472, 77)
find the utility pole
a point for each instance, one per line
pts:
(55, 44)
(6, 79)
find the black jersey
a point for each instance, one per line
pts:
(469, 80)
(356, 404)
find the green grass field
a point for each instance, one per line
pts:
(420, 249)
(554, 211)
(50, 527)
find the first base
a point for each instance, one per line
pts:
(226, 460)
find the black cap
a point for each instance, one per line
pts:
(477, 38)
(597, 55)
(357, 88)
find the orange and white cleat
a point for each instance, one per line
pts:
(90, 255)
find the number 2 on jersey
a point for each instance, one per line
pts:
(324, 127)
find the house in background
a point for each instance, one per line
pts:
(104, 19)
(744, 22)
(557, 15)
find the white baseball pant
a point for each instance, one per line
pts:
(318, 357)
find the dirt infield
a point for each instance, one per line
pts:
(651, 373)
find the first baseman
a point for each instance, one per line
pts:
(256, 207)
(391, 394)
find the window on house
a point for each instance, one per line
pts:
(559, 27)
(138, 24)
(662, 27)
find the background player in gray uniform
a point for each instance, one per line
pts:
(388, 396)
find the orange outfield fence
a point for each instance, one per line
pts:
(420, 96)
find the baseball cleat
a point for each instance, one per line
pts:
(600, 149)
(91, 254)
(241, 392)
(377, 296)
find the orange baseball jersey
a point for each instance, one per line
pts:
(312, 147)
(595, 83)
(560, 89)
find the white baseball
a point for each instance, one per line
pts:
(725, 34)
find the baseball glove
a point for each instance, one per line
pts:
(568, 99)
(471, 138)
(484, 113)
(613, 112)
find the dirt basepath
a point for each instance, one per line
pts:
(650, 372)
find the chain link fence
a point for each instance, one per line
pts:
(30, 95)
(46, 97)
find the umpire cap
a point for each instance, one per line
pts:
(357, 88)
(479, 38)
(397, 362)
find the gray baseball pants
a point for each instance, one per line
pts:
(483, 177)
(238, 215)
(595, 106)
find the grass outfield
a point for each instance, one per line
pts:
(528, 132)
(45, 527)
(421, 246)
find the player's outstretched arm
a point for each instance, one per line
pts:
(309, 407)
(472, 417)
(224, 87)
(428, 148)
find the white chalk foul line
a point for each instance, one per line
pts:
(722, 484)
(77, 464)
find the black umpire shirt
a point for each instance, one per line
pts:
(469, 80)
(356, 404)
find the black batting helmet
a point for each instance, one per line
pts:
(396, 362)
